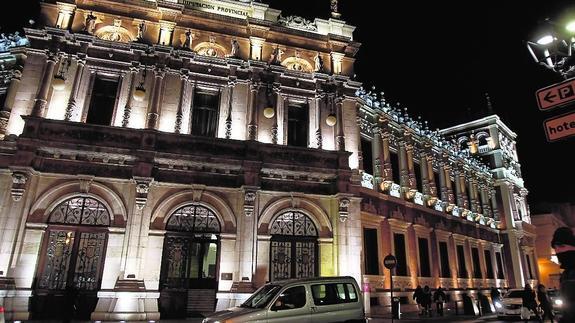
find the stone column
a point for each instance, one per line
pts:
(403, 171)
(410, 168)
(154, 106)
(166, 33)
(336, 62)
(484, 199)
(41, 99)
(318, 138)
(253, 118)
(274, 130)
(494, 203)
(359, 148)
(424, 168)
(431, 175)
(459, 186)
(75, 87)
(9, 102)
(184, 75)
(231, 85)
(377, 156)
(387, 170)
(129, 99)
(256, 45)
(65, 13)
(340, 137)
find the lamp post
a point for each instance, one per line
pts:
(554, 48)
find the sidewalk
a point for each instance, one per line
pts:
(449, 316)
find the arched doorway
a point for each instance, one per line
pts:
(188, 279)
(294, 248)
(70, 268)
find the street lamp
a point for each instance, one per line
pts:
(555, 49)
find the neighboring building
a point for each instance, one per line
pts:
(165, 158)
(546, 224)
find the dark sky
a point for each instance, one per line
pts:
(439, 59)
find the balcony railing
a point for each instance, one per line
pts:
(367, 180)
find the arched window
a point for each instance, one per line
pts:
(81, 210)
(193, 218)
(294, 223)
(294, 251)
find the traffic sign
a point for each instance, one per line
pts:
(389, 261)
(556, 95)
(559, 127)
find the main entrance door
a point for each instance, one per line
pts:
(188, 279)
(293, 252)
(69, 272)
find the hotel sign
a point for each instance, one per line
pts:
(560, 127)
(217, 7)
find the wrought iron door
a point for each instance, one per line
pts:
(294, 251)
(71, 263)
(191, 250)
(75, 247)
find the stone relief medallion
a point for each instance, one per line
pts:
(210, 49)
(297, 64)
(114, 33)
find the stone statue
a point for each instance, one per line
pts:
(188, 42)
(334, 11)
(276, 56)
(90, 23)
(141, 30)
(235, 48)
(318, 62)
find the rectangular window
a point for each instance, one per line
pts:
(488, 264)
(371, 251)
(333, 293)
(476, 266)
(205, 113)
(367, 156)
(102, 102)
(400, 254)
(437, 184)
(444, 260)
(425, 268)
(298, 120)
(529, 270)
(461, 262)
(394, 166)
(499, 260)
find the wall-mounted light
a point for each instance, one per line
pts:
(331, 119)
(269, 111)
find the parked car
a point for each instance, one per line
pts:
(323, 300)
(510, 304)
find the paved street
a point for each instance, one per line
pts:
(407, 318)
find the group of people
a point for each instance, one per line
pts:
(424, 300)
(537, 302)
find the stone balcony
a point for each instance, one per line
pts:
(77, 148)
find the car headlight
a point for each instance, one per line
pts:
(559, 302)
(498, 305)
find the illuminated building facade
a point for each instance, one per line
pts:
(164, 158)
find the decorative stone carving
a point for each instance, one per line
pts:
(13, 40)
(297, 22)
(90, 23)
(85, 183)
(142, 190)
(19, 180)
(249, 201)
(343, 209)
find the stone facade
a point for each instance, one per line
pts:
(167, 159)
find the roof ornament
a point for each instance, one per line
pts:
(334, 12)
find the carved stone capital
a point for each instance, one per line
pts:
(142, 190)
(18, 189)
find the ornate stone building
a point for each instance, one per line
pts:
(166, 158)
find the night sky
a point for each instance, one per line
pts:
(440, 59)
